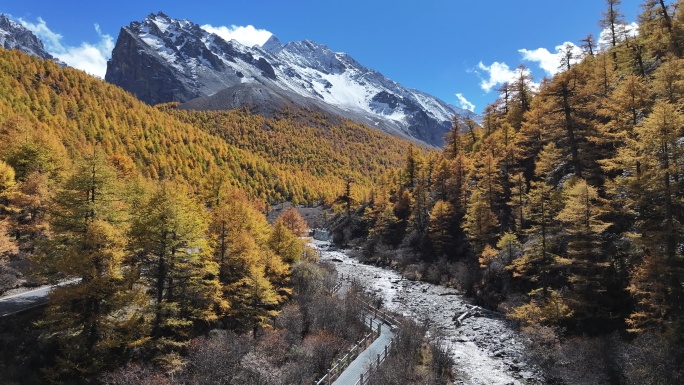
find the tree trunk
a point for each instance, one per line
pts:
(567, 111)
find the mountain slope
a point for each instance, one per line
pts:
(15, 36)
(162, 59)
(67, 112)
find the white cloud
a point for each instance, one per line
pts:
(604, 41)
(498, 73)
(551, 62)
(51, 39)
(91, 58)
(248, 36)
(464, 103)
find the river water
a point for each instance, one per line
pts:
(485, 348)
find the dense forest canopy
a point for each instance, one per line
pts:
(298, 156)
(563, 208)
(160, 213)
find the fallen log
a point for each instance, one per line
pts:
(459, 320)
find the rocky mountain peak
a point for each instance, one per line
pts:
(273, 45)
(162, 59)
(15, 36)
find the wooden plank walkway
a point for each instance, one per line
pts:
(375, 354)
(382, 326)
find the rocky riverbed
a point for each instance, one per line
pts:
(485, 348)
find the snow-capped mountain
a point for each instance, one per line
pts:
(15, 36)
(162, 59)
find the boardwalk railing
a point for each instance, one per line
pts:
(371, 313)
(364, 379)
(365, 306)
(376, 313)
(336, 288)
(343, 362)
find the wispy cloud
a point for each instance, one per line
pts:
(551, 62)
(248, 36)
(497, 73)
(91, 58)
(464, 103)
(52, 40)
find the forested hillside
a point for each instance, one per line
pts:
(564, 208)
(54, 117)
(160, 213)
(66, 113)
(308, 143)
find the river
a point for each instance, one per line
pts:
(485, 348)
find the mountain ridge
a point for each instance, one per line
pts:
(161, 59)
(15, 36)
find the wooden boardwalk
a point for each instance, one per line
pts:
(371, 357)
(357, 371)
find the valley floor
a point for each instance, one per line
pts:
(486, 348)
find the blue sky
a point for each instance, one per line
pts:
(442, 47)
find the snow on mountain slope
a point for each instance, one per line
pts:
(14, 36)
(162, 59)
